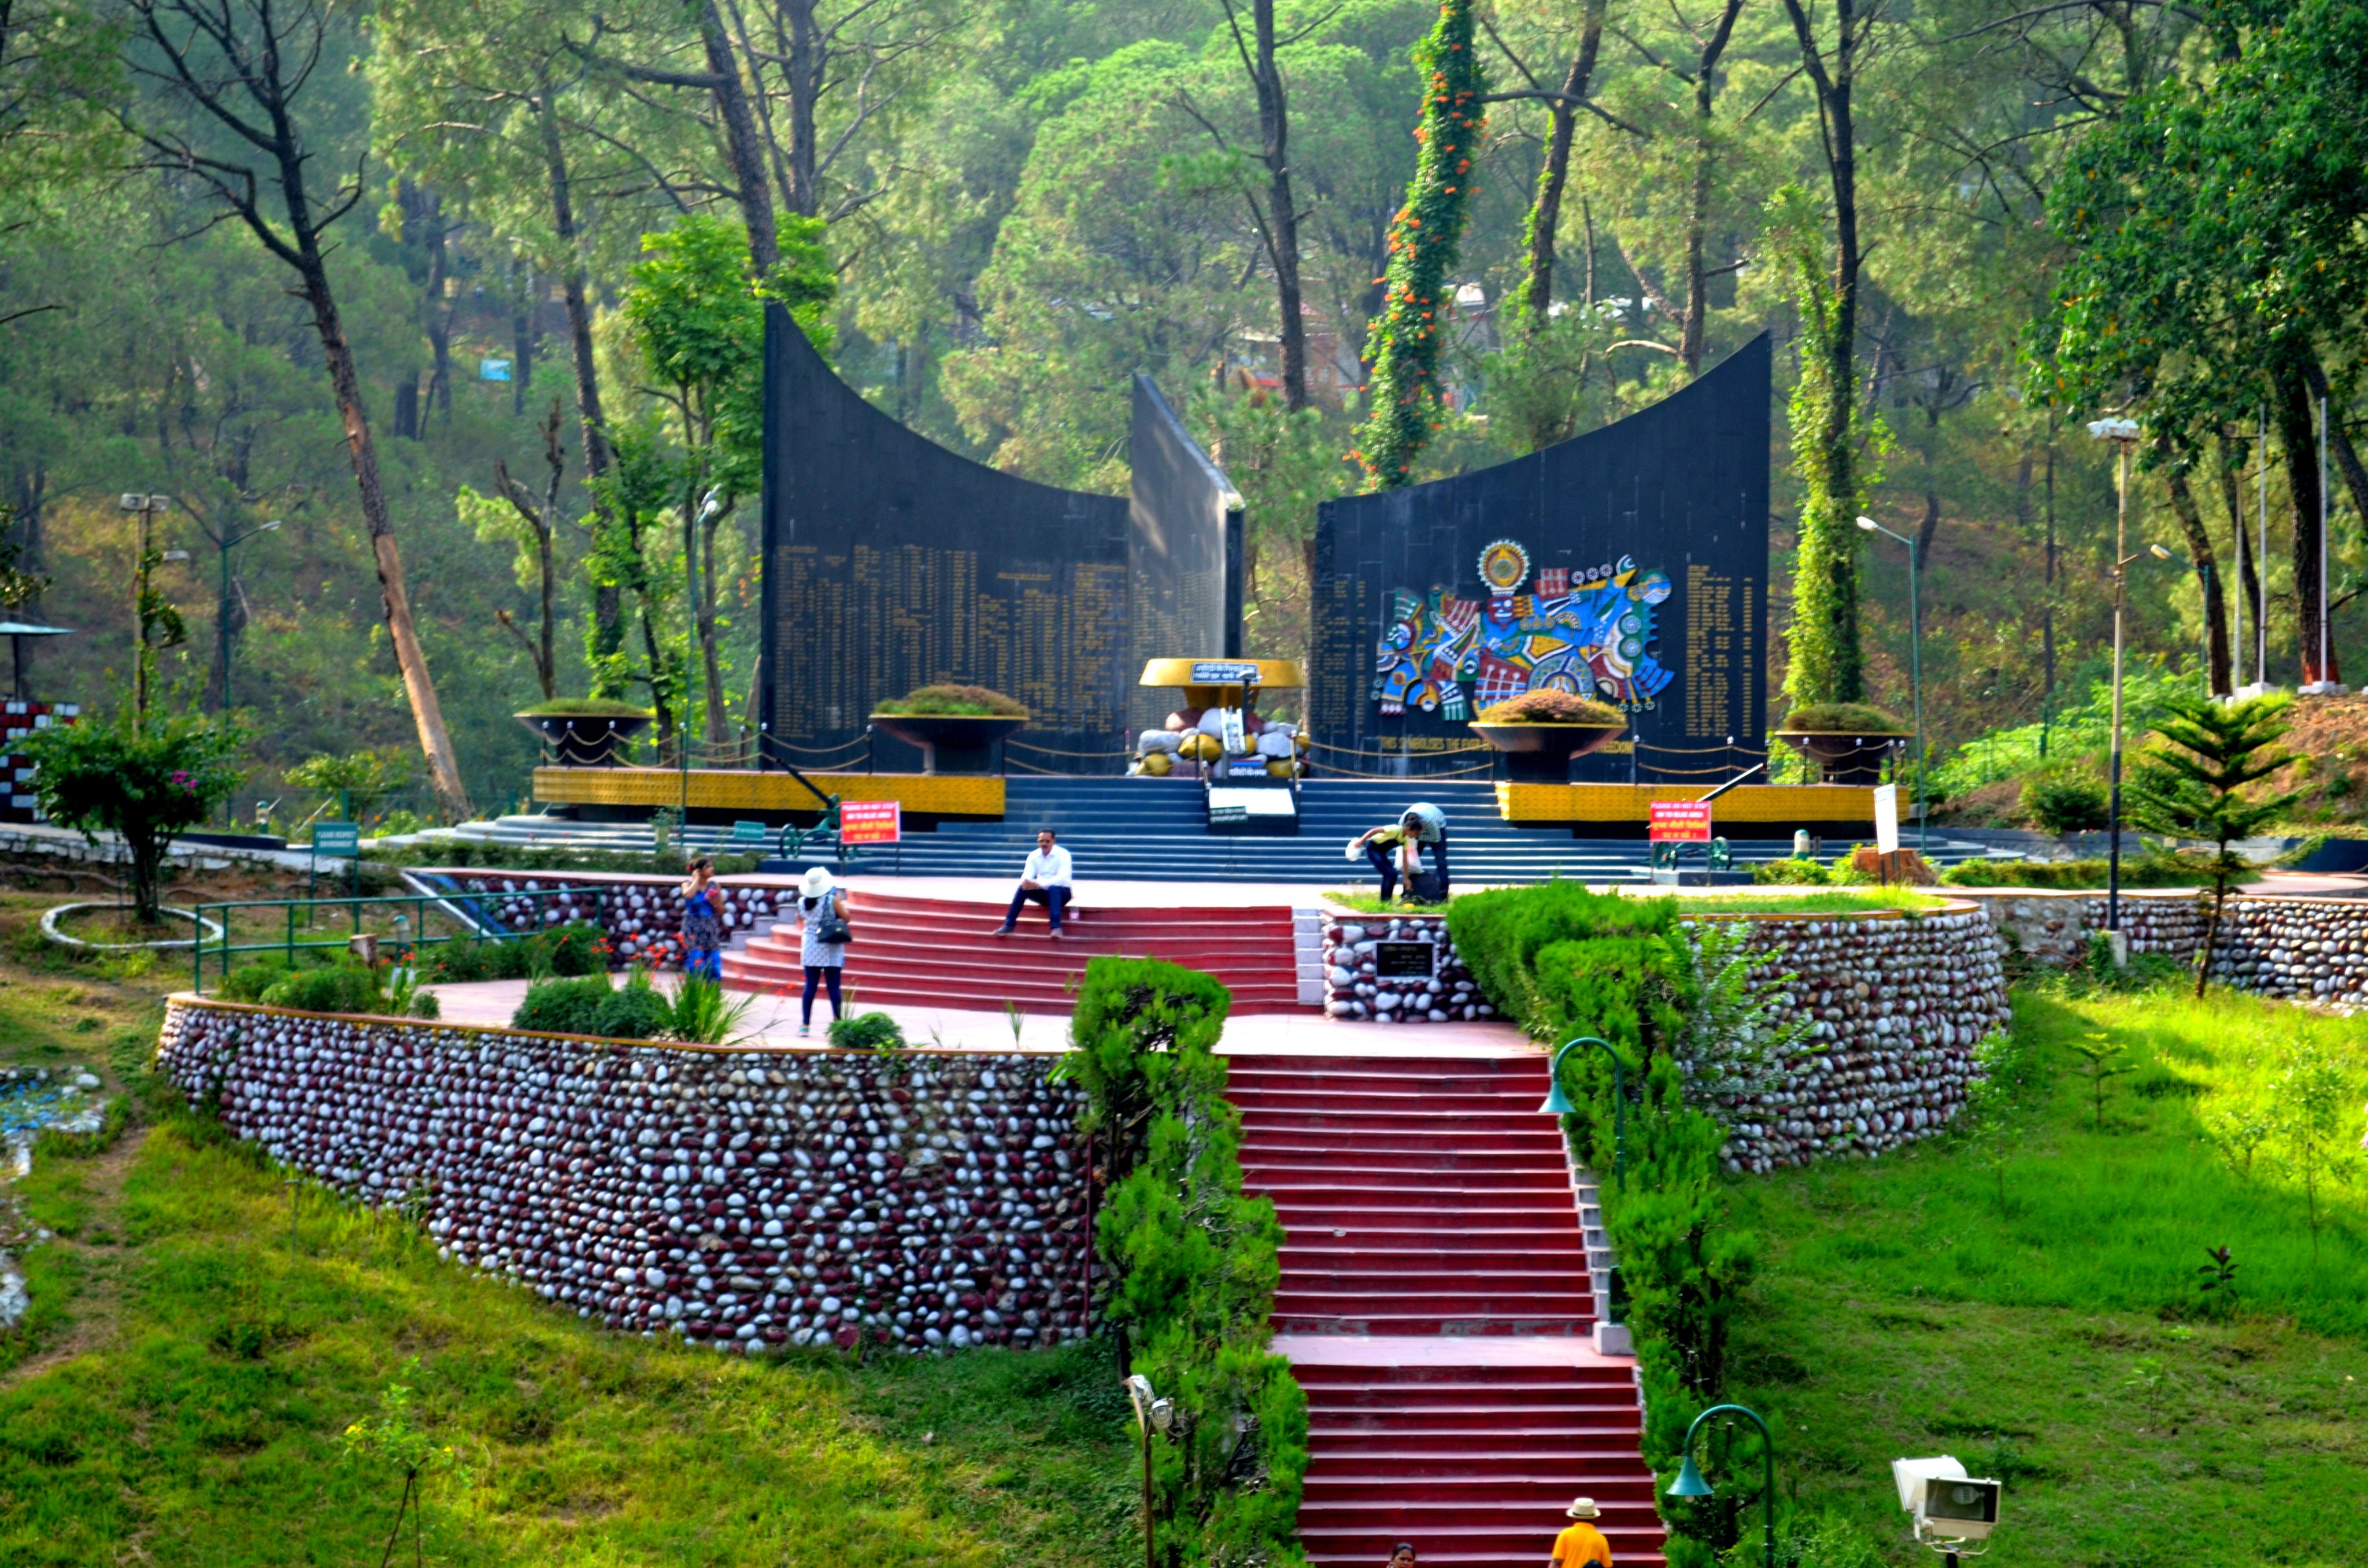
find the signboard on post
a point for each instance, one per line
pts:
(336, 840)
(1224, 671)
(1886, 818)
(1680, 822)
(870, 822)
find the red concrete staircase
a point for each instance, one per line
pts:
(921, 951)
(1433, 1245)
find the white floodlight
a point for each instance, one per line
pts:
(2114, 429)
(1949, 1506)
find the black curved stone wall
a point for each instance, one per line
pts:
(1670, 501)
(890, 563)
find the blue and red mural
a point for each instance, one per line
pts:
(1591, 633)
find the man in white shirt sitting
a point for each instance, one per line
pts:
(1045, 881)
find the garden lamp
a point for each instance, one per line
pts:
(1690, 1483)
(1915, 663)
(1559, 1104)
(2124, 434)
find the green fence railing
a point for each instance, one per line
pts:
(294, 929)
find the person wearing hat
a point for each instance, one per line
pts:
(822, 913)
(1581, 1544)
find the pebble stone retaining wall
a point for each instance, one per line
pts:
(1895, 1008)
(2311, 947)
(744, 1199)
(642, 916)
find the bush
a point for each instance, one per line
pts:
(955, 701)
(1793, 872)
(339, 988)
(577, 948)
(2064, 803)
(706, 1014)
(1843, 719)
(866, 1031)
(1548, 706)
(635, 1010)
(1194, 1259)
(249, 981)
(563, 1007)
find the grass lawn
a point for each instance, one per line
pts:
(179, 1395)
(2055, 1336)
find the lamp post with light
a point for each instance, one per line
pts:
(1915, 663)
(1149, 1412)
(1689, 1482)
(2204, 581)
(1557, 1104)
(227, 543)
(147, 508)
(2124, 434)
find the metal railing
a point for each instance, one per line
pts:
(461, 908)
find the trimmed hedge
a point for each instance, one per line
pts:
(1194, 1262)
(1566, 962)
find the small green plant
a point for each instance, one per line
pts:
(337, 988)
(360, 779)
(706, 1014)
(2102, 1059)
(395, 1437)
(563, 1007)
(2219, 1276)
(2310, 1105)
(866, 1031)
(2238, 1134)
(1798, 871)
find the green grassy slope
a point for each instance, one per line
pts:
(2057, 1337)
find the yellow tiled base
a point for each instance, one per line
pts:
(1775, 803)
(942, 794)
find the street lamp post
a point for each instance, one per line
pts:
(147, 508)
(2203, 581)
(1149, 1412)
(1689, 1482)
(2124, 434)
(1914, 663)
(228, 542)
(1558, 1104)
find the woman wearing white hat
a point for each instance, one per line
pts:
(821, 924)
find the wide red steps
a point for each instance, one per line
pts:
(913, 951)
(1431, 1198)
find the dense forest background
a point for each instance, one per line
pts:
(995, 210)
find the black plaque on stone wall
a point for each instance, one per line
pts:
(890, 563)
(1629, 564)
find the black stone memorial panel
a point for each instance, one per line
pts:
(890, 563)
(1629, 564)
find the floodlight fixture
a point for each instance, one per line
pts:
(2114, 429)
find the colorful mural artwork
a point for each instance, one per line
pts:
(1589, 633)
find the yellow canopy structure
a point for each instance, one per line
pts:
(1221, 683)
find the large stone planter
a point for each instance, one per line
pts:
(1541, 754)
(586, 740)
(950, 742)
(1845, 759)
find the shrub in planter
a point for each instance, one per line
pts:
(1794, 871)
(632, 1011)
(1843, 719)
(2064, 803)
(1550, 707)
(953, 702)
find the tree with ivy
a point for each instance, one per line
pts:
(1831, 437)
(1426, 239)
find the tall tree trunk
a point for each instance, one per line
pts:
(522, 342)
(804, 74)
(2248, 579)
(607, 598)
(2339, 440)
(2207, 566)
(436, 313)
(427, 715)
(741, 143)
(1693, 330)
(1545, 208)
(2047, 625)
(2298, 434)
(1283, 211)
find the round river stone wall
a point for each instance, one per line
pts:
(744, 1199)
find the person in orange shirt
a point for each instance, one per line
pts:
(1582, 1544)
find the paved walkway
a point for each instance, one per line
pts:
(772, 1024)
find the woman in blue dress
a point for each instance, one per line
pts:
(703, 924)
